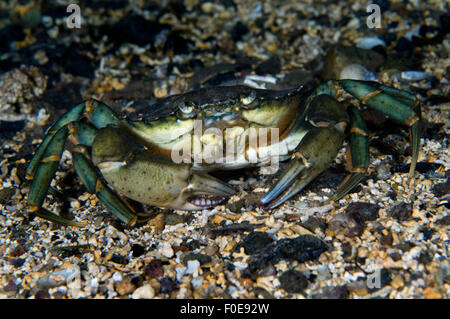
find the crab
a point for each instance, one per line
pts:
(116, 157)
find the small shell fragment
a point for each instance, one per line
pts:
(60, 277)
(413, 75)
(369, 43)
(357, 72)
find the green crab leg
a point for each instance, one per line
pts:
(95, 185)
(43, 175)
(46, 160)
(98, 113)
(358, 155)
(398, 105)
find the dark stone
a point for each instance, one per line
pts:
(362, 212)
(248, 202)
(153, 269)
(402, 211)
(444, 221)
(425, 257)
(6, 195)
(173, 219)
(137, 250)
(202, 258)
(301, 248)
(238, 31)
(167, 285)
(17, 262)
(395, 256)
(386, 240)
(406, 246)
(42, 294)
(194, 244)
(270, 66)
(11, 287)
(293, 281)
(346, 250)
(254, 242)
(119, 259)
(441, 189)
(339, 292)
(313, 223)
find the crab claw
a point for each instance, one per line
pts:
(315, 153)
(203, 191)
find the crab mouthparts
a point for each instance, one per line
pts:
(205, 200)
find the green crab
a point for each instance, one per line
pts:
(117, 157)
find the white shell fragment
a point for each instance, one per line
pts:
(369, 43)
(414, 75)
(60, 277)
(357, 72)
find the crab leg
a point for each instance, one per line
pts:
(398, 105)
(95, 185)
(43, 175)
(358, 153)
(45, 162)
(98, 113)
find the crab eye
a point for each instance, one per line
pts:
(247, 99)
(187, 107)
(186, 110)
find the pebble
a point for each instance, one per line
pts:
(167, 285)
(137, 250)
(441, 189)
(293, 281)
(301, 248)
(166, 250)
(338, 292)
(255, 241)
(202, 258)
(144, 292)
(402, 211)
(180, 272)
(192, 266)
(362, 212)
(59, 277)
(153, 269)
(383, 171)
